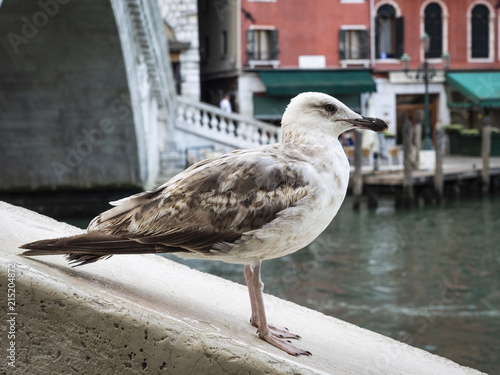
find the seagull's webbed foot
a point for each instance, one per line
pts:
(283, 344)
(278, 331)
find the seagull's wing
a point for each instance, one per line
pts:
(211, 202)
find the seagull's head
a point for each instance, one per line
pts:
(324, 115)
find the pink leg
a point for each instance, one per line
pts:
(281, 332)
(274, 335)
(251, 292)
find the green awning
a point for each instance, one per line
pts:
(480, 88)
(334, 82)
(273, 107)
(269, 107)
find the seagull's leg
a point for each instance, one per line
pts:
(251, 292)
(263, 329)
(277, 331)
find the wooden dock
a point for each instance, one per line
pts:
(455, 168)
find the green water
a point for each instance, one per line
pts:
(429, 277)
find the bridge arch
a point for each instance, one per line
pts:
(85, 91)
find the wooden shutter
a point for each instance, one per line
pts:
(365, 46)
(274, 45)
(400, 37)
(342, 44)
(251, 50)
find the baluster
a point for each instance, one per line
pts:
(205, 120)
(180, 113)
(241, 131)
(231, 128)
(273, 138)
(189, 116)
(223, 126)
(213, 123)
(254, 136)
(264, 138)
(249, 134)
(197, 118)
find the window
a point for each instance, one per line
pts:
(262, 45)
(480, 32)
(433, 26)
(389, 33)
(354, 44)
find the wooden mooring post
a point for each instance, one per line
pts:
(357, 188)
(407, 197)
(438, 172)
(486, 149)
(417, 135)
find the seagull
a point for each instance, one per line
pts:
(243, 207)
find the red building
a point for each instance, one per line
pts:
(304, 30)
(352, 49)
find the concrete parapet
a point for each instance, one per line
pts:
(145, 314)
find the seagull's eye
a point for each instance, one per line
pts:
(330, 108)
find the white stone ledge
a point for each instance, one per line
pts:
(145, 314)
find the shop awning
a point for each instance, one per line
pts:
(480, 88)
(269, 107)
(341, 81)
(272, 107)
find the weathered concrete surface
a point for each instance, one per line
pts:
(145, 314)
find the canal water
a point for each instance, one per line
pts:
(429, 277)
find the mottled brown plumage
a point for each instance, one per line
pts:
(212, 202)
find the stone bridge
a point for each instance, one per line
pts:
(85, 93)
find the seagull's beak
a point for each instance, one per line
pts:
(370, 123)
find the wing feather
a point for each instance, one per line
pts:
(211, 202)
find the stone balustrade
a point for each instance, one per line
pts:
(229, 129)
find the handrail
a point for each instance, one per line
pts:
(231, 129)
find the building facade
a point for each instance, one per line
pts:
(352, 49)
(181, 26)
(323, 46)
(219, 40)
(464, 31)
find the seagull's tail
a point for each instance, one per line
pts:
(91, 247)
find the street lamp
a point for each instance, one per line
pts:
(446, 61)
(425, 41)
(426, 73)
(405, 60)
